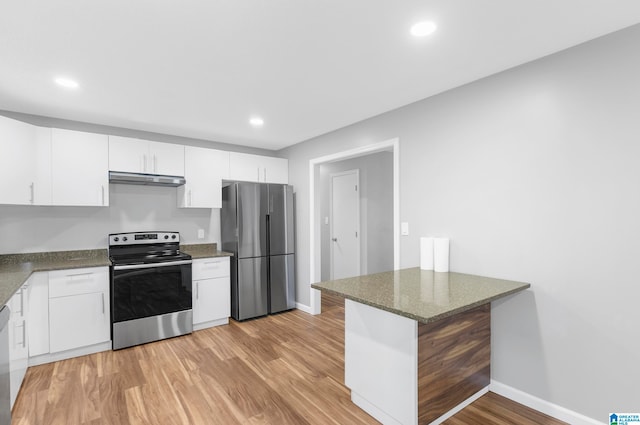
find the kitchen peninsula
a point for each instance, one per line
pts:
(417, 342)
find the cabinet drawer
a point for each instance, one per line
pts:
(208, 268)
(78, 281)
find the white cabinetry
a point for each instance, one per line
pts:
(211, 292)
(78, 308)
(144, 156)
(18, 340)
(38, 314)
(25, 163)
(79, 168)
(204, 170)
(257, 168)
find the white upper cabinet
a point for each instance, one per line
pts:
(258, 168)
(25, 163)
(79, 168)
(144, 156)
(204, 170)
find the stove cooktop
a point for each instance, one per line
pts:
(145, 248)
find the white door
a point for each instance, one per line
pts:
(345, 224)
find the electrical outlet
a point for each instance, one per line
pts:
(404, 228)
(200, 233)
(326, 220)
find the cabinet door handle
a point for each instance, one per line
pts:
(79, 277)
(155, 164)
(144, 163)
(190, 197)
(102, 187)
(103, 303)
(197, 290)
(31, 188)
(24, 334)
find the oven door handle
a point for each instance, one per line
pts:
(152, 265)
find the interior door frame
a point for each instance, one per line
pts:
(332, 219)
(392, 145)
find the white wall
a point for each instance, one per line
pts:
(376, 211)
(132, 208)
(534, 174)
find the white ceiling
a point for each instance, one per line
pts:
(201, 68)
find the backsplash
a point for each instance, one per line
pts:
(132, 208)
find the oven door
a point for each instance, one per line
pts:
(150, 302)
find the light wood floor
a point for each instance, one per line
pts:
(282, 369)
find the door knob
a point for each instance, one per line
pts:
(334, 239)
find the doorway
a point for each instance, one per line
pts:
(320, 218)
(344, 224)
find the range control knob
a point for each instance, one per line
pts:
(124, 239)
(173, 236)
(116, 239)
(166, 236)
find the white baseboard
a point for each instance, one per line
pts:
(211, 324)
(460, 406)
(69, 354)
(304, 308)
(546, 407)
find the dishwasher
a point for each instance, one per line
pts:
(5, 395)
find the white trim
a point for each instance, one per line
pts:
(352, 153)
(332, 221)
(373, 410)
(210, 324)
(543, 406)
(303, 307)
(460, 406)
(69, 354)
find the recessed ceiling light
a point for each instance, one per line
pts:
(67, 83)
(423, 29)
(256, 121)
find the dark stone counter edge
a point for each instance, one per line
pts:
(16, 269)
(423, 319)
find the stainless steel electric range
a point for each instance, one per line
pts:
(150, 288)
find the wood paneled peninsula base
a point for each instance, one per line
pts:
(417, 343)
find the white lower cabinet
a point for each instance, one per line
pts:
(211, 292)
(18, 340)
(38, 314)
(78, 308)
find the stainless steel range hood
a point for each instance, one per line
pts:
(145, 179)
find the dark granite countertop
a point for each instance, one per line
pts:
(208, 250)
(15, 269)
(422, 295)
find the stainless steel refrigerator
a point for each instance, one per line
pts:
(257, 227)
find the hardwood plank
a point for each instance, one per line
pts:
(454, 357)
(282, 369)
(497, 410)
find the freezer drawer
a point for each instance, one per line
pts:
(249, 288)
(282, 283)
